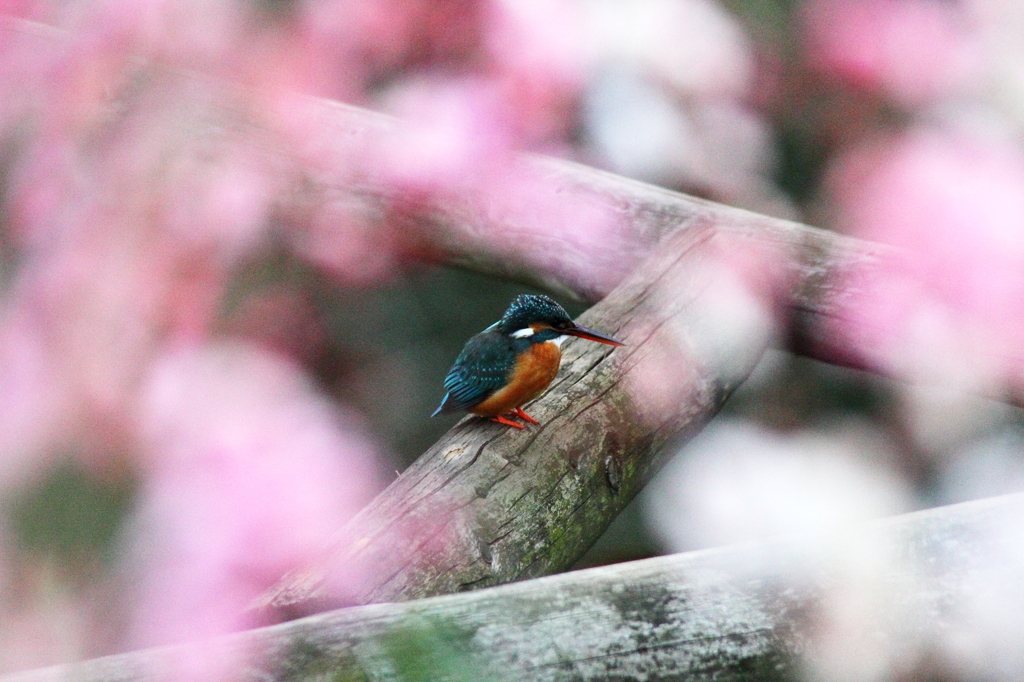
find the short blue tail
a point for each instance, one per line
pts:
(440, 408)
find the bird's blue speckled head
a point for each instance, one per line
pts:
(529, 309)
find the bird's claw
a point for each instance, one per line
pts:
(525, 417)
(502, 420)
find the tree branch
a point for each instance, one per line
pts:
(756, 611)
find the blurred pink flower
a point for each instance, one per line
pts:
(456, 128)
(354, 44)
(537, 56)
(249, 474)
(694, 47)
(952, 307)
(282, 319)
(34, 405)
(739, 481)
(912, 50)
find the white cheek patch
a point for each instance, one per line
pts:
(522, 333)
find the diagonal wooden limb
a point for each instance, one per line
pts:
(488, 505)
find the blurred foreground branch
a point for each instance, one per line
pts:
(524, 233)
(760, 611)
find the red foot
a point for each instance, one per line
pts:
(525, 417)
(501, 420)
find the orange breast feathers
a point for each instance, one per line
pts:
(535, 369)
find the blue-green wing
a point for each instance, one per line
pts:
(483, 366)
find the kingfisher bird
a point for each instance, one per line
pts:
(512, 361)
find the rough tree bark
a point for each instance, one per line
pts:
(768, 611)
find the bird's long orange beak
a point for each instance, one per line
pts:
(591, 335)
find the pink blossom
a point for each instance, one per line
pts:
(249, 474)
(36, 406)
(361, 39)
(951, 306)
(456, 128)
(537, 55)
(912, 50)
